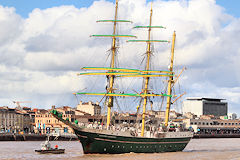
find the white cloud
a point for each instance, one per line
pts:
(40, 55)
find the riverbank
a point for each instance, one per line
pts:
(35, 137)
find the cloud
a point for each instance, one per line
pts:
(41, 54)
(10, 25)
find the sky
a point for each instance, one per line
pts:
(43, 45)
(24, 7)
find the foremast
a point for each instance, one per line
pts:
(111, 77)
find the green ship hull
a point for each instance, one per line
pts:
(96, 141)
(112, 144)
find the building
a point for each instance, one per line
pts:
(23, 121)
(209, 126)
(90, 108)
(189, 115)
(205, 106)
(157, 114)
(161, 114)
(13, 120)
(7, 119)
(46, 123)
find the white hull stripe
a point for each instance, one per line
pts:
(109, 140)
(82, 136)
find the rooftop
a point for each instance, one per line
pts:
(204, 98)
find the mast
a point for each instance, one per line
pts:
(112, 72)
(147, 71)
(111, 82)
(145, 90)
(170, 81)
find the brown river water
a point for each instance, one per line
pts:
(197, 149)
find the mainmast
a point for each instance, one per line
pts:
(145, 90)
(170, 81)
(111, 82)
(147, 72)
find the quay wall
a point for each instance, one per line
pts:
(43, 137)
(34, 137)
(196, 136)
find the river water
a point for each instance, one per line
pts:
(201, 149)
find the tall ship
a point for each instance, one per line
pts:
(108, 140)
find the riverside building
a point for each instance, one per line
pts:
(13, 120)
(46, 123)
(94, 109)
(213, 126)
(205, 106)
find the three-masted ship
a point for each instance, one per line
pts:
(115, 142)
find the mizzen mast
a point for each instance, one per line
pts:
(170, 81)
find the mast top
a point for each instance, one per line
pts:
(151, 5)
